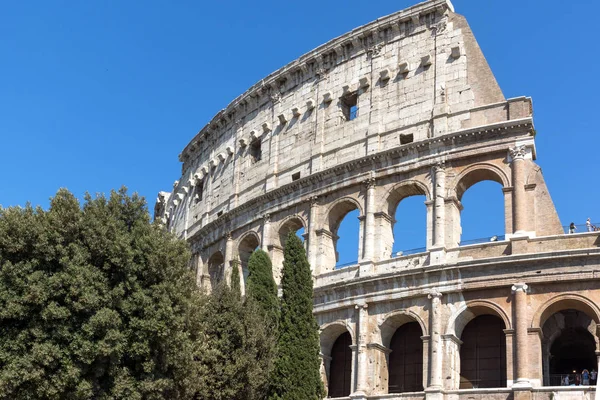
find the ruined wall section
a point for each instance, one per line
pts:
(404, 78)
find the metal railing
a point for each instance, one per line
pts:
(494, 238)
(583, 228)
(409, 252)
(347, 264)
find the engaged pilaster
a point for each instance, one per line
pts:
(369, 238)
(519, 291)
(313, 245)
(361, 351)
(517, 156)
(435, 347)
(266, 231)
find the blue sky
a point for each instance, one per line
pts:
(99, 94)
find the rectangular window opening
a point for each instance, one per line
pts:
(199, 192)
(350, 106)
(296, 176)
(219, 213)
(255, 150)
(406, 139)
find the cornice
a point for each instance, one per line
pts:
(312, 64)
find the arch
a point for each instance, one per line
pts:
(290, 224)
(216, 268)
(405, 361)
(400, 191)
(474, 174)
(472, 309)
(338, 210)
(247, 243)
(483, 353)
(330, 332)
(565, 301)
(394, 320)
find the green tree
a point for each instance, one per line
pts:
(235, 280)
(96, 302)
(296, 375)
(240, 347)
(261, 286)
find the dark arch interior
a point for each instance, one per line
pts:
(573, 350)
(483, 353)
(340, 369)
(215, 269)
(406, 359)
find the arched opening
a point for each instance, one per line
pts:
(347, 237)
(216, 267)
(247, 246)
(482, 218)
(342, 243)
(410, 227)
(483, 353)
(568, 346)
(291, 225)
(406, 359)
(340, 369)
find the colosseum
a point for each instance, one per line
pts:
(406, 105)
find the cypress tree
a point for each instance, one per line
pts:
(296, 375)
(261, 287)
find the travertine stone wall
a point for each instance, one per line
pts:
(427, 118)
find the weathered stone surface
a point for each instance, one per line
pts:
(431, 120)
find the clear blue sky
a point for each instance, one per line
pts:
(99, 94)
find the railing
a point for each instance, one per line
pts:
(494, 238)
(409, 252)
(347, 264)
(583, 228)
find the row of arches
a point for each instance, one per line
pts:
(482, 353)
(408, 226)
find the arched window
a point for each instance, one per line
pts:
(291, 225)
(340, 370)
(483, 353)
(347, 237)
(406, 359)
(215, 269)
(482, 217)
(410, 228)
(569, 347)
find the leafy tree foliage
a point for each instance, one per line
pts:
(235, 280)
(96, 302)
(240, 347)
(296, 375)
(261, 285)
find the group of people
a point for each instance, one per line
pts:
(588, 225)
(586, 378)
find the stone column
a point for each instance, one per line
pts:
(435, 359)
(313, 245)
(517, 157)
(439, 229)
(369, 238)
(266, 231)
(520, 312)
(361, 351)
(228, 258)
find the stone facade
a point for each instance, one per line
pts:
(403, 106)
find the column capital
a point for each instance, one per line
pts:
(518, 152)
(519, 287)
(227, 235)
(361, 306)
(314, 201)
(266, 218)
(434, 294)
(439, 167)
(370, 183)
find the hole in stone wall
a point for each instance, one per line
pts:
(406, 139)
(296, 176)
(219, 213)
(349, 105)
(199, 192)
(255, 150)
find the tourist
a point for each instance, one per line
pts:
(566, 380)
(589, 225)
(585, 374)
(577, 380)
(593, 375)
(572, 227)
